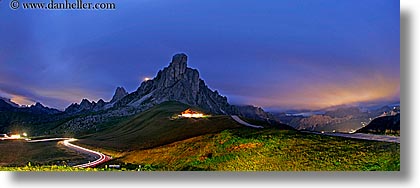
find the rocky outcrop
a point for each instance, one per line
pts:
(38, 108)
(85, 106)
(99, 105)
(177, 82)
(120, 93)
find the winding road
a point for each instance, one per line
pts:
(362, 136)
(240, 121)
(101, 158)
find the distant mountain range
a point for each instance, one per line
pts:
(340, 119)
(38, 108)
(177, 82)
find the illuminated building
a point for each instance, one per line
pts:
(191, 114)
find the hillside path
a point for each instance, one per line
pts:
(240, 121)
(362, 136)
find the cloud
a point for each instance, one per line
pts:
(326, 94)
(288, 53)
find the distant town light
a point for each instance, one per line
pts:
(24, 134)
(147, 79)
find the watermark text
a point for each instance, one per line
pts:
(62, 5)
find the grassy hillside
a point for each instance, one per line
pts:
(268, 150)
(157, 126)
(156, 141)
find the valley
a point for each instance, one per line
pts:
(346, 119)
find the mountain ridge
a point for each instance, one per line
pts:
(176, 82)
(37, 108)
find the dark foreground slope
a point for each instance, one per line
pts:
(383, 125)
(35, 119)
(158, 126)
(18, 153)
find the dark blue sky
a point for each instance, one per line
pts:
(274, 54)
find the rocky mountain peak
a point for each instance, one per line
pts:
(85, 103)
(177, 68)
(120, 93)
(38, 105)
(83, 106)
(39, 108)
(179, 60)
(101, 102)
(177, 82)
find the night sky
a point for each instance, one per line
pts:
(280, 54)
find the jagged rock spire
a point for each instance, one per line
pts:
(177, 67)
(120, 93)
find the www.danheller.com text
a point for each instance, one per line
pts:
(64, 5)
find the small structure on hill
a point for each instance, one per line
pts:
(191, 114)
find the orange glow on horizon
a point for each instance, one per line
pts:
(324, 95)
(21, 100)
